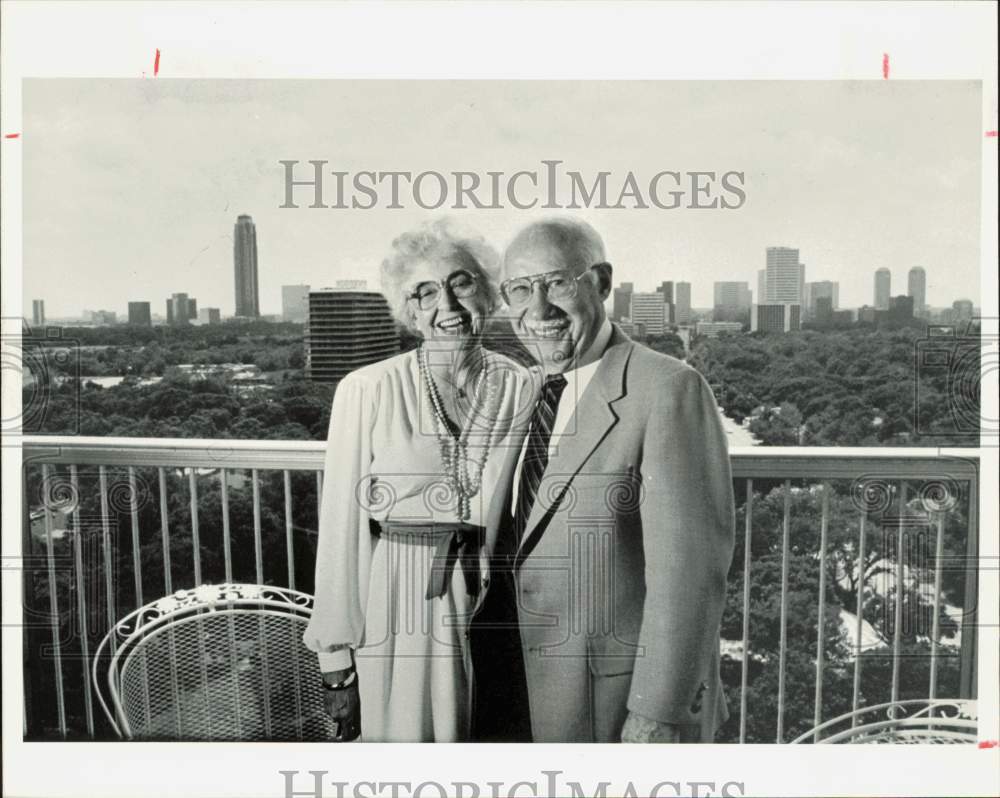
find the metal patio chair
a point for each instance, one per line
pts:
(218, 662)
(912, 722)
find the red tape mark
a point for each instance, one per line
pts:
(156, 63)
(885, 65)
(13, 136)
(991, 134)
(989, 744)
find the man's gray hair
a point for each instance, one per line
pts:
(441, 239)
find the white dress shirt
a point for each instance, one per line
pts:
(577, 380)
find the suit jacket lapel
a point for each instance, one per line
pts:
(591, 421)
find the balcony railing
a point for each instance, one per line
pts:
(113, 522)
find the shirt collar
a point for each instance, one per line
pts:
(578, 378)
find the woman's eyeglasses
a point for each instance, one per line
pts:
(427, 294)
(558, 285)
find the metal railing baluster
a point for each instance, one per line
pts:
(50, 563)
(289, 544)
(936, 621)
(783, 645)
(136, 546)
(81, 600)
(227, 548)
(168, 585)
(824, 526)
(897, 631)
(109, 586)
(747, 534)
(859, 621)
(195, 531)
(258, 552)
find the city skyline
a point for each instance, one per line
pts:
(212, 150)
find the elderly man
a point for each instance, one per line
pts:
(617, 521)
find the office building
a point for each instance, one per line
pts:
(819, 290)
(713, 329)
(139, 314)
(38, 312)
(245, 267)
(962, 310)
(822, 311)
(179, 308)
(209, 316)
(667, 289)
(650, 311)
(784, 277)
(621, 302)
(900, 310)
(775, 318)
(916, 287)
(103, 318)
(349, 327)
(682, 303)
(883, 287)
(732, 302)
(762, 285)
(295, 303)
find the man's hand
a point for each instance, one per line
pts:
(638, 729)
(344, 706)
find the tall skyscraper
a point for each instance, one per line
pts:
(621, 303)
(883, 288)
(732, 302)
(785, 277)
(245, 266)
(649, 310)
(682, 303)
(667, 289)
(38, 312)
(349, 327)
(295, 302)
(192, 309)
(761, 285)
(139, 314)
(916, 287)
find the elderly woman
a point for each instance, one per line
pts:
(416, 446)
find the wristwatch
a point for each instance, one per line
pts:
(344, 683)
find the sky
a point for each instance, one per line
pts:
(132, 187)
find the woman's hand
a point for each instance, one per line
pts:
(343, 705)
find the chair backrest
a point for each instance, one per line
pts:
(219, 662)
(913, 721)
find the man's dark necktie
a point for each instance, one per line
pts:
(536, 456)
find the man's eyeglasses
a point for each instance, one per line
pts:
(427, 294)
(559, 285)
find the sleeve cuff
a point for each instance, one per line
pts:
(335, 660)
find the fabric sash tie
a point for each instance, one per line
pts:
(454, 543)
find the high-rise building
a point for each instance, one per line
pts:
(962, 310)
(192, 309)
(349, 327)
(209, 316)
(667, 289)
(649, 310)
(822, 310)
(179, 308)
(139, 314)
(784, 278)
(732, 302)
(821, 289)
(38, 312)
(780, 317)
(883, 288)
(761, 285)
(245, 266)
(916, 287)
(295, 302)
(682, 303)
(622, 302)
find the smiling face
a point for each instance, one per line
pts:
(463, 301)
(558, 331)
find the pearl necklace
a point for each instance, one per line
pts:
(455, 449)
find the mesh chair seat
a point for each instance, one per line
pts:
(221, 662)
(910, 722)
